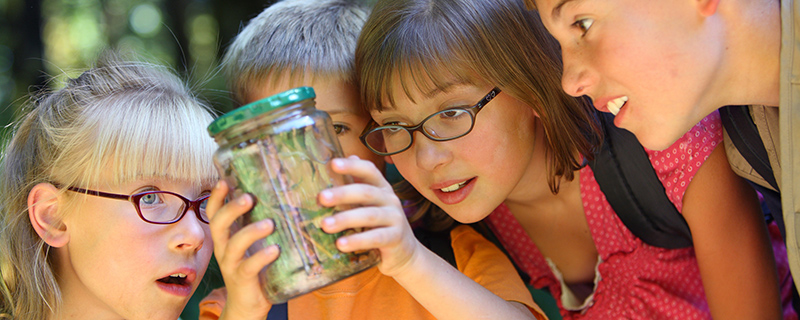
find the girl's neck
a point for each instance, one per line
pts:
(753, 30)
(541, 199)
(533, 191)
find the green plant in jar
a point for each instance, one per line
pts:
(279, 150)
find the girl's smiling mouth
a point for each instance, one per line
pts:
(453, 193)
(454, 186)
(615, 105)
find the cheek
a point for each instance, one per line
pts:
(208, 243)
(352, 146)
(406, 165)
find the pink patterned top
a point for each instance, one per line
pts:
(633, 280)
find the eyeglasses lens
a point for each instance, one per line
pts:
(163, 207)
(443, 125)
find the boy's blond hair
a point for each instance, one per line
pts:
(309, 39)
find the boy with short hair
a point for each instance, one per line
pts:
(311, 43)
(661, 66)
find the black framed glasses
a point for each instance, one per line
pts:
(158, 207)
(444, 125)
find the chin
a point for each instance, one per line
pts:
(464, 217)
(657, 140)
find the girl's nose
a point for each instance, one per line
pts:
(430, 154)
(575, 79)
(190, 233)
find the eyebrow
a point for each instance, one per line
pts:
(444, 88)
(433, 92)
(556, 13)
(438, 90)
(338, 111)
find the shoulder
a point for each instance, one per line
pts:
(677, 165)
(473, 250)
(482, 261)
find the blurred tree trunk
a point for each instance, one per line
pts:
(176, 20)
(26, 45)
(23, 24)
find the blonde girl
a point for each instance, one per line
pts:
(103, 194)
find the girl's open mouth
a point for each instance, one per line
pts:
(456, 192)
(455, 186)
(177, 284)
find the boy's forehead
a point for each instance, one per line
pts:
(333, 95)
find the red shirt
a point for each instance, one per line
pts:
(637, 281)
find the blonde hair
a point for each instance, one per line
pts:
(126, 120)
(498, 43)
(306, 38)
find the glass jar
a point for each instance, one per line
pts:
(278, 149)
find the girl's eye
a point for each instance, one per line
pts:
(452, 114)
(390, 132)
(150, 199)
(341, 129)
(583, 25)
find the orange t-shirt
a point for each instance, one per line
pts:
(372, 295)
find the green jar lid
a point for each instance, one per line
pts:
(259, 107)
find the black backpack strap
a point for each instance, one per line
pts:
(279, 312)
(743, 133)
(627, 178)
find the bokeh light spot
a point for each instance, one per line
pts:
(145, 20)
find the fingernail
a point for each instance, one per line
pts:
(342, 243)
(264, 224)
(326, 195)
(272, 249)
(242, 200)
(329, 221)
(218, 185)
(338, 162)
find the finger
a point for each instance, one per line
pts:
(364, 217)
(369, 239)
(260, 259)
(217, 198)
(242, 240)
(362, 170)
(220, 224)
(358, 195)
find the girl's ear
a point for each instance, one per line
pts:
(707, 8)
(44, 216)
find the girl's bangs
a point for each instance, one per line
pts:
(163, 138)
(406, 56)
